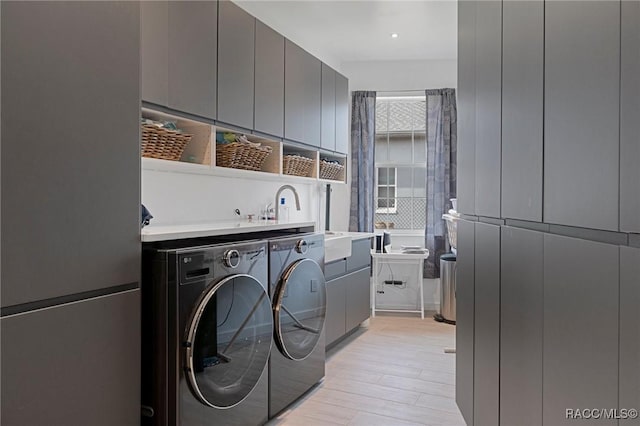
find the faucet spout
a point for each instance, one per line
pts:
(295, 195)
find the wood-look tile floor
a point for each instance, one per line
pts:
(392, 372)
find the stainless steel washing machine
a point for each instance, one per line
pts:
(299, 299)
(207, 335)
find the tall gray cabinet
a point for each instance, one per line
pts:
(70, 212)
(328, 119)
(269, 81)
(342, 114)
(629, 331)
(582, 113)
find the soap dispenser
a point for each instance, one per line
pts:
(284, 211)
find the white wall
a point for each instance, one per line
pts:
(401, 75)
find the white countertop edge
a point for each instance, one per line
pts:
(177, 232)
(355, 236)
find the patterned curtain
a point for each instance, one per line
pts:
(441, 172)
(363, 133)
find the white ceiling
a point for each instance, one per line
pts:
(345, 31)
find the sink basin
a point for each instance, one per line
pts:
(336, 246)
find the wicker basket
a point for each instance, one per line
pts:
(158, 142)
(297, 165)
(242, 155)
(330, 171)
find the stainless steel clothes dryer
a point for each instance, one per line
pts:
(299, 299)
(207, 336)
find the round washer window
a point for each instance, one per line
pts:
(228, 341)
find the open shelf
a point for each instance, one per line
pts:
(270, 163)
(200, 155)
(299, 162)
(338, 160)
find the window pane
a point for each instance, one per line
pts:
(420, 142)
(383, 192)
(381, 150)
(400, 148)
(405, 188)
(381, 116)
(383, 176)
(420, 182)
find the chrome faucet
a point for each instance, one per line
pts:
(295, 194)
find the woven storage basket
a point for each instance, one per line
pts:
(296, 165)
(330, 171)
(242, 155)
(158, 142)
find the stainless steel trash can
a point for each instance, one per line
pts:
(447, 289)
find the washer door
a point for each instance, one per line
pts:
(300, 306)
(228, 341)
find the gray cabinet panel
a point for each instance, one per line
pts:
(629, 331)
(465, 295)
(192, 60)
(236, 43)
(154, 34)
(335, 269)
(486, 360)
(580, 315)
(342, 114)
(269, 81)
(335, 325)
(302, 95)
(488, 85)
(360, 255)
(521, 293)
(69, 222)
(73, 364)
(522, 109)
(630, 117)
(328, 120)
(581, 113)
(358, 298)
(466, 160)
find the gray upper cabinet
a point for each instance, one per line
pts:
(629, 331)
(521, 297)
(486, 360)
(73, 364)
(581, 113)
(70, 183)
(522, 109)
(466, 160)
(342, 114)
(630, 118)
(236, 55)
(302, 95)
(488, 81)
(328, 121)
(192, 56)
(269, 81)
(580, 327)
(465, 318)
(155, 51)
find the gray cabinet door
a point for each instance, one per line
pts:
(71, 150)
(629, 331)
(465, 294)
(192, 59)
(486, 360)
(521, 287)
(358, 306)
(360, 255)
(236, 41)
(269, 81)
(154, 52)
(302, 95)
(522, 109)
(581, 113)
(488, 53)
(73, 364)
(580, 341)
(466, 159)
(342, 114)
(335, 325)
(630, 118)
(328, 120)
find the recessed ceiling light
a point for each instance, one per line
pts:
(394, 35)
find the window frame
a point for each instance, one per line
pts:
(387, 210)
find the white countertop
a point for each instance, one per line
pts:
(152, 233)
(359, 235)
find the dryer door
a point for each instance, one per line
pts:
(300, 306)
(228, 341)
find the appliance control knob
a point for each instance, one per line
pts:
(231, 258)
(302, 247)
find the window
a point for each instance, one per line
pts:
(401, 150)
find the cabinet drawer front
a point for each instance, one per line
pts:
(335, 269)
(360, 255)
